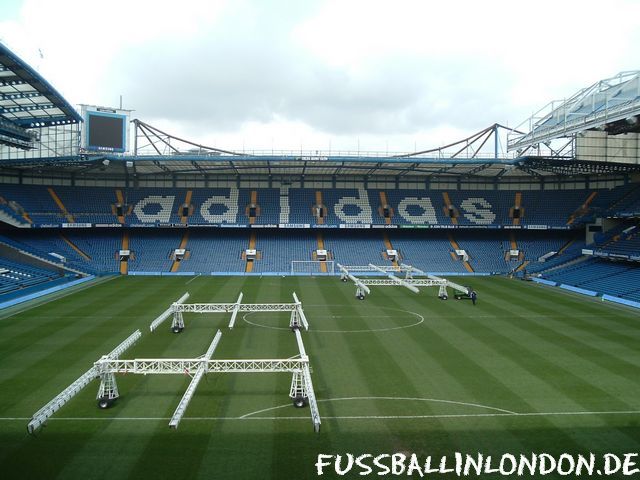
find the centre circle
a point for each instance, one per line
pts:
(418, 319)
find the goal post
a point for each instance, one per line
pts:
(312, 267)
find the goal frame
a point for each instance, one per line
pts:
(330, 266)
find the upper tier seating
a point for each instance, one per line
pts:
(97, 205)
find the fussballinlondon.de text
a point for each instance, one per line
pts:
(462, 465)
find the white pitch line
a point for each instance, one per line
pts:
(194, 278)
(387, 329)
(343, 417)
(412, 399)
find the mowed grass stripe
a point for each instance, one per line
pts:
(158, 394)
(590, 352)
(41, 321)
(556, 302)
(412, 346)
(504, 352)
(75, 347)
(573, 374)
(365, 371)
(590, 385)
(494, 378)
(409, 384)
(565, 379)
(220, 389)
(123, 299)
(342, 364)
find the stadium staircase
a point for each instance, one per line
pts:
(184, 219)
(16, 276)
(389, 246)
(124, 264)
(75, 248)
(455, 246)
(627, 203)
(252, 211)
(583, 210)
(385, 210)
(320, 240)
(121, 203)
(8, 216)
(517, 207)
(252, 246)
(449, 209)
(319, 210)
(183, 246)
(60, 205)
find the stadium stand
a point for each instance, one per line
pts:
(218, 250)
(553, 208)
(15, 276)
(621, 279)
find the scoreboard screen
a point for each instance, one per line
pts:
(105, 131)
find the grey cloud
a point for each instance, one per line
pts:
(249, 70)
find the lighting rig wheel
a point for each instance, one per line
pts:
(300, 402)
(344, 279)
(177, 329)
(444, 297)
(105, 402)
(360, 297)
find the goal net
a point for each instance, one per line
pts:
(312, 267)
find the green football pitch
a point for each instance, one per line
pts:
(528, 369)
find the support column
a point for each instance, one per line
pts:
(108, 390)
(177, 325)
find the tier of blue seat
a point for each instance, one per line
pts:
(630, 206)
(629, 246)
(571, 253)
(6, 209)
(221, 250)
(218, 250)
(620, 279)
(15, 275)
(163, 205)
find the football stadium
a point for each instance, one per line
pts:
(174, 310)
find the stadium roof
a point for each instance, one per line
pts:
(476, 156)
(27, 100)
(308, 166)
(599, 106)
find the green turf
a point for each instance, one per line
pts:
(523, 348)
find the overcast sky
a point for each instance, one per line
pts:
(290, 74)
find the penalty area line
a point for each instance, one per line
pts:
(194, 278)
